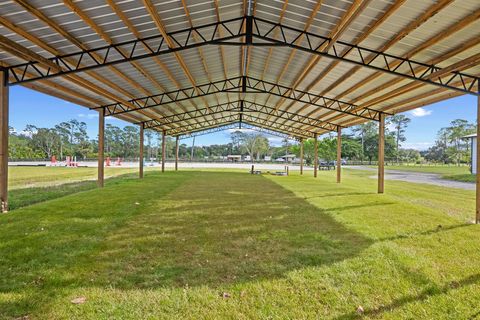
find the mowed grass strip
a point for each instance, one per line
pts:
(450, 172)
(20, 177)
(219, 245)
(30, 185)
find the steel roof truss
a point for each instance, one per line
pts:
(262, 29)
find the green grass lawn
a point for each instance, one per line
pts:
(229, 245)
(450, 172)
(34, 177)
(29, 185)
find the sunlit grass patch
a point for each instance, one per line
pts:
(230, 245)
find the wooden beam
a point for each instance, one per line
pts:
(177, 146)
(431, 41)
(416, 101)
(163, 150)
(88, 21)
(350, 15)
(131, 27)
(39, 15)
(426, 15)
(416, 105)
(56, 90)
(77, 80)
(109, 40)
(450, 31)
(381, 154)
(220, 32)
(140, 153)
(460, 65)
(270, 50)
(291, 56)
(301, 157)
(477, 174)
(4, 131)
(339, 154)
(101, 147)
(315, 161)
(202, 57)
(137, 66)
(151, 9)
(13, 48)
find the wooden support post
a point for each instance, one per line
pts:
(177, 146)
(101, 147)
(477, 215)
(315, 161)
(163, 150)
(381, 153)
(339, 154)
(4, 108)
(140, 171)
(301, 157)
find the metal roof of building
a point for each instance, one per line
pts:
(298, 67)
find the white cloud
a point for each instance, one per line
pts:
(391, 127)
(94, 116)
(275, 140)
(417, 145)
(88, 115)
(26, 133)
(420, 112)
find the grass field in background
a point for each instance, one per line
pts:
(32, 177)
(449, 172)
(229, 245)
(30, 185)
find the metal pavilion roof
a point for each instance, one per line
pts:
(297, 67)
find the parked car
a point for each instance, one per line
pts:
(332, 163)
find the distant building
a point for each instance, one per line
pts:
(234, 157)
(473, 154)
(288, 158)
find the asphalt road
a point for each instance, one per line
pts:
(419, 177)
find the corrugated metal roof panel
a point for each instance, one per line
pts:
(165, 73)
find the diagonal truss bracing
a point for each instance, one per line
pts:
(218, 128)
(194, 114)
(262, 86)
(269, 33)
(236, 106)
(235, 118)
(227, 85)
(128, 51)
(249, 84)
(234, 126)
(380, 61)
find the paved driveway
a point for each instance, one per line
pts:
(419, 177)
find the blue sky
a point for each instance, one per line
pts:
(31, 107)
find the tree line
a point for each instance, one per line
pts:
(451, 145)
(70, 138)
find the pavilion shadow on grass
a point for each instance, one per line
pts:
(297, 68)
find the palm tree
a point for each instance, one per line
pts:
(400, 123)
(364, 130)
